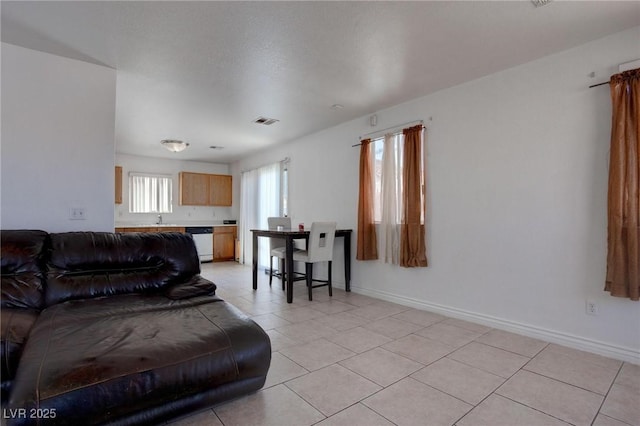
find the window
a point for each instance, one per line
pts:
(149, 193)
(391, 202)
(389, 162)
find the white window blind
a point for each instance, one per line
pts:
(150, 193)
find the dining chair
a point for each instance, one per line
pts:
(277, 247)
(319, 249)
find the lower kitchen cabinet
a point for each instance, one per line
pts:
(152, 229)
(224, 243)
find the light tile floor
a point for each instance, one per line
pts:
(354, 360)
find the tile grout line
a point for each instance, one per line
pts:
(495, 392)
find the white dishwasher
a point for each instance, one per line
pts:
(203, 238)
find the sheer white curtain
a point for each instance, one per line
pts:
(260, 197)
(391, 198)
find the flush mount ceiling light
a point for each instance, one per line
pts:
(265, 121)
(174, 145)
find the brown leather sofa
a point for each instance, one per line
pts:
(103, 328)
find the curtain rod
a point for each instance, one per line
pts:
(621, 68)
(398, 127)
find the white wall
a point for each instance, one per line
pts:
(58, 118)
(180, 214)
(517, 182)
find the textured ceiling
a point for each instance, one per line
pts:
(203, 71)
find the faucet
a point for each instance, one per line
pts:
(159, 221)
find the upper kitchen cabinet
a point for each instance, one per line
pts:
(194, 189)
(220, 190)
(118, 185)
(202, 189)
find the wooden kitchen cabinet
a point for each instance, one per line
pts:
(119, 230)
(203, 189)
(171, 229)
(224, 243)
(152, 229)
(194, 189)
(220, 188)
(118, 184)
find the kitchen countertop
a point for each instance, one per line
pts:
(167, 225)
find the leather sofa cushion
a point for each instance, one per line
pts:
(93, 264)
(125, 354)
(197, 286)
(15, 325)
(23, 262)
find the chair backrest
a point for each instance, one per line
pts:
(320, 245)
(273, 223)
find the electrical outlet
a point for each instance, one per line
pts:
(591, 307)
(77, 213)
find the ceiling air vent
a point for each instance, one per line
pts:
(266, 121)
(540, 3)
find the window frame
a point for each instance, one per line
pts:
(155, 203)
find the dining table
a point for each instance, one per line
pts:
(289, 236)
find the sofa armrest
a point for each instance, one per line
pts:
(196, 286)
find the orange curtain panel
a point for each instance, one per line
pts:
(367, 247)
(413, 252)
(623, 232)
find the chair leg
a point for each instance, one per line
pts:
(283, 274)
(329, 280)
(270, 270)
(309, 272)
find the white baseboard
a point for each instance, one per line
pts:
(552, 336)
